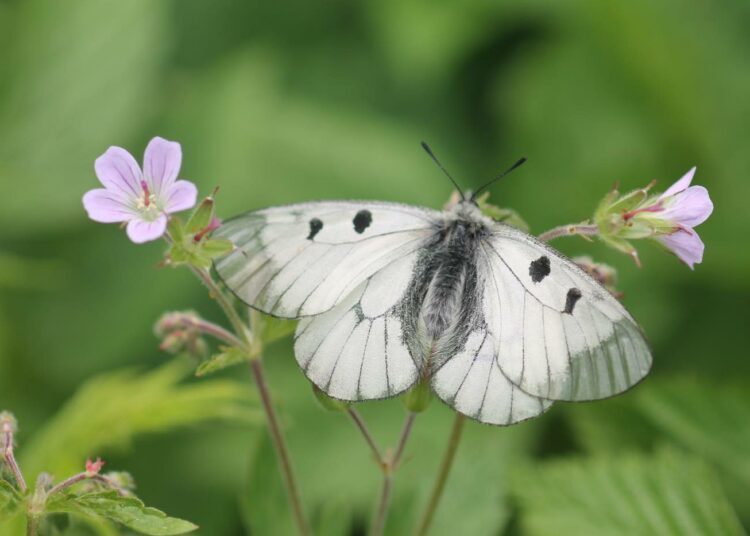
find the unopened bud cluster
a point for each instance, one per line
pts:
(179, 332)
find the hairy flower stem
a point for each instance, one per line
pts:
(279, 444)
(205, 327)
(10, 459)
(360, 423)
(390, 466)
(256, 367)
(31, 526)
(569, 230)
(226, 305)
(445, 468)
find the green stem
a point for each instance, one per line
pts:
(10, 458)
(279, 444)
(277, 436)
(226, 305)
(31, 525)
(445, 468)
(389, 468)
(569, 230)
(360, 423)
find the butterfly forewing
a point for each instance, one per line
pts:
(561, 335)
(302, 260)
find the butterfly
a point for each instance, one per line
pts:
(387, 295)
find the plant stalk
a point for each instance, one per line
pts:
(445, 468)
(10, 458)
(389, 468)
(569, 230)
(360, 423)
(256, 368)
(279, 444)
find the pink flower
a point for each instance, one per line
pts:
(670, 219)
(685, 207)
(94, 467)
(142, 199)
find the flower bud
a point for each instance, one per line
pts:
(179, 331)
(8, 423)
(605, 274)
(121, 479)
(418, 398)
(94, 467)
(202, 216)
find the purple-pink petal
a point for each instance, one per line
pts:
(106, 206)
(680, 185)
(118, 171)
(690, 207)
(161, 164)
(181, 195)
(140, 231)
(686, 245)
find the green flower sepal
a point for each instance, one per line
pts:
(191, 242)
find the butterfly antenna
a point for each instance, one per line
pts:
(503, 174)
(434, 158)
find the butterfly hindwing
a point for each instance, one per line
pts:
(356, 350)
(472, 383)
(302, 260)
(562, 336)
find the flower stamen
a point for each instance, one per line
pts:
(146, 194)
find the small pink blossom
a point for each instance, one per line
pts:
(686, 207)
(673, 216)
(142, 199)
(94, 467)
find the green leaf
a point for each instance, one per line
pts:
(9, 498)
(273, 329)
(665, 494)
(707, 418)
(504, 215)
(229, 356)
(109, 410)
(128, 511)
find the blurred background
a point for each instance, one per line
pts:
(289, 101)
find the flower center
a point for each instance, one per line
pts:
(147, 204)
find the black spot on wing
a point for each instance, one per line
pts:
(571, 299)
(539, 269)
(362, 220)
(315, 226)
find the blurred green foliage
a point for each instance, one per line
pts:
(290, 101)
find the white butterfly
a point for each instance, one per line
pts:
(500, 323)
